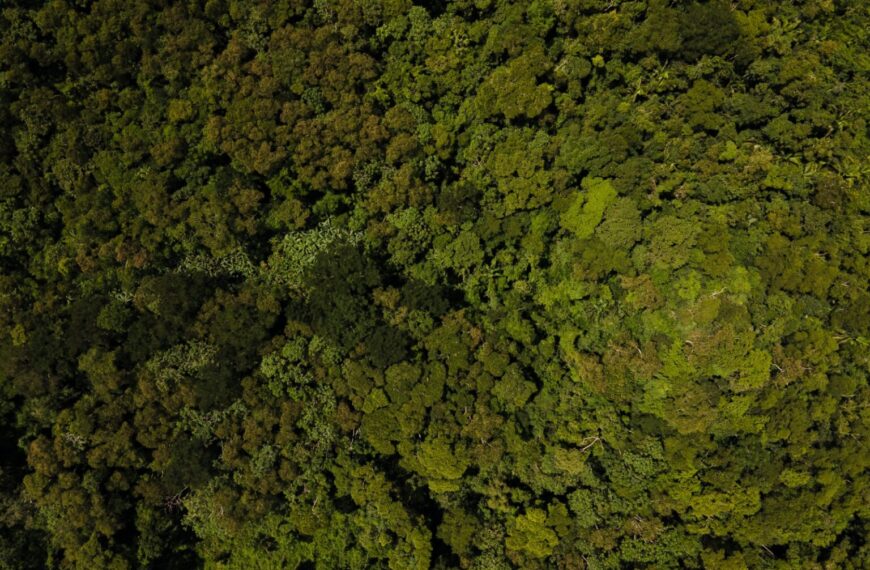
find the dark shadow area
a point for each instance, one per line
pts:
(687, 31)
(341, 304)
(28, 545)
(415, 497)
(434, 7)
(177, 552)
(708, 28)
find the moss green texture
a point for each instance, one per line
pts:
(471, 284)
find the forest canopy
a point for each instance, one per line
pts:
(473, 284)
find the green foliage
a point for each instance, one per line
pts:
(441, 465)
(172, 366)
(529, 533)
(466, 284)
(587, 210)
(295, 254)
(513, 91)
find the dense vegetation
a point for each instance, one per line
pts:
(473, 284)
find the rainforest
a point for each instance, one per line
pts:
(457, 284)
